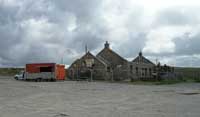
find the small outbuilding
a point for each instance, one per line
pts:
(141, 68)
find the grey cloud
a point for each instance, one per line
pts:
(178, 16)
(19, 44)
(133, 46)
(181, 60)
(188, 61)
(187, 45)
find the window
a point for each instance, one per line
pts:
(89, 62)
(145, 69)
(46, 69)
(119, 66)
(83, 64)
(108, 69)
(131, 68)
(136, 69)
(150, 73)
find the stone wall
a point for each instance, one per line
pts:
(117, 67)
(142, 71)
(80, 70)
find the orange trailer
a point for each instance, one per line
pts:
(44, 71)
(60, 72)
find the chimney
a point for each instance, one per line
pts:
(106, 44)
(140, 53)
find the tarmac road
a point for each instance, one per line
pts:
(97, 99)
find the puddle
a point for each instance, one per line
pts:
(61, 115)
(190, 93)
(164, 91)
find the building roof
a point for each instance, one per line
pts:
(110, 57)
(141, 59)
(108, 50)
(90, 54)
(103, 60)
(76, 61)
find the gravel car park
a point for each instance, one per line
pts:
(97, 99)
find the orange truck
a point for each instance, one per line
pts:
(44, 72)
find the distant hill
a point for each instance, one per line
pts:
(10, 71)
(188, 72)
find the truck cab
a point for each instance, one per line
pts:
(20, 76)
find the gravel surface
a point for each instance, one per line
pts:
(97, 99)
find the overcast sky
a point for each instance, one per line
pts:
(47, 30)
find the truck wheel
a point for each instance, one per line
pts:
(53, 80)
(39, 79)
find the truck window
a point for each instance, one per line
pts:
(46, 69)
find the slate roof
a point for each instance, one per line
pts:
(88, 53)
(141, 59)
(108, 50)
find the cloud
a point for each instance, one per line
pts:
(48, 30)
(174, 33)
(160, 40)
(41, 31)
(188, 44)
(178, 16)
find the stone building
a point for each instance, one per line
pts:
(117, 66)
(88, 67)
(108, 65)
(141, 68)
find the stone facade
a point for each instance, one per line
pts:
(117, 66)
(88, 67)
(108, 65)
(142, 68)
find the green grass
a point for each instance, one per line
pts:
(9, 71)
(188, 74)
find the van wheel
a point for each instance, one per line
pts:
(38, 80)
(16, 78)
(53, 80)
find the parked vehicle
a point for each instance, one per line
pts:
(20, 76)
(42, 72)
